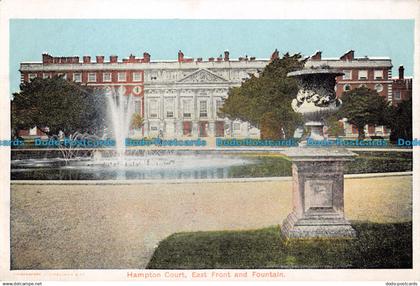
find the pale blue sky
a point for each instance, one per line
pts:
(208, 38)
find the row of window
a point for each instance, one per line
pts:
(187, 108)
(138, 77)
(378, 87)
(363, 74)
(93, 77)
(372, 130)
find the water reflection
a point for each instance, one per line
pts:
(165, 165)
(157, 167)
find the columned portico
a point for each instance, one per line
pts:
(189, 107)
(211, 129)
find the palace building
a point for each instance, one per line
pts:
(402, 87)
(183, 97)
(371, 72)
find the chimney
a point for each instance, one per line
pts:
(100, 59)
(180, 56)
(401, 72)
(348, 56)
(86, 59)
(275, 55)
(113, 59)
(316, 56)
(46, 58)
(226, 58)
(146, 57)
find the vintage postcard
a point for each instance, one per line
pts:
(204, 141)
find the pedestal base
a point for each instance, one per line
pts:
(317, 224)
(318, 194)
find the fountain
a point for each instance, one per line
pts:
(121, 110)
(318, 180)
(120, 162)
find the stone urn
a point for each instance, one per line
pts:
(316, 98)
(318, 172)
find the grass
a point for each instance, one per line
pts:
(380, 162)
(376, 246)
(266, 166)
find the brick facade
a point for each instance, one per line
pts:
(162, 87)
(402, 88)
(374, 73)
(371, 72)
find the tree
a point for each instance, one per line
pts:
(270, 127)
(55, 104)
(400, 120)
(136, 121)
(335, 129)
(362, 106)
(265, 100)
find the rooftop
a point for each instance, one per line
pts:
(315, 60)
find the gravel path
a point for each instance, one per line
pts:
(118, 227)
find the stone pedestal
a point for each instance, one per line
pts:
(318, 198)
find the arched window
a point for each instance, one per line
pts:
(347, 87)
(379, 87)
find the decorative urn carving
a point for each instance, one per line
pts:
(316, 98)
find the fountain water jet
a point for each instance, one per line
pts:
(121, 110)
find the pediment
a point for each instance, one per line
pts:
(202, 76)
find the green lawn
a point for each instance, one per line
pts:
(376, 246)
